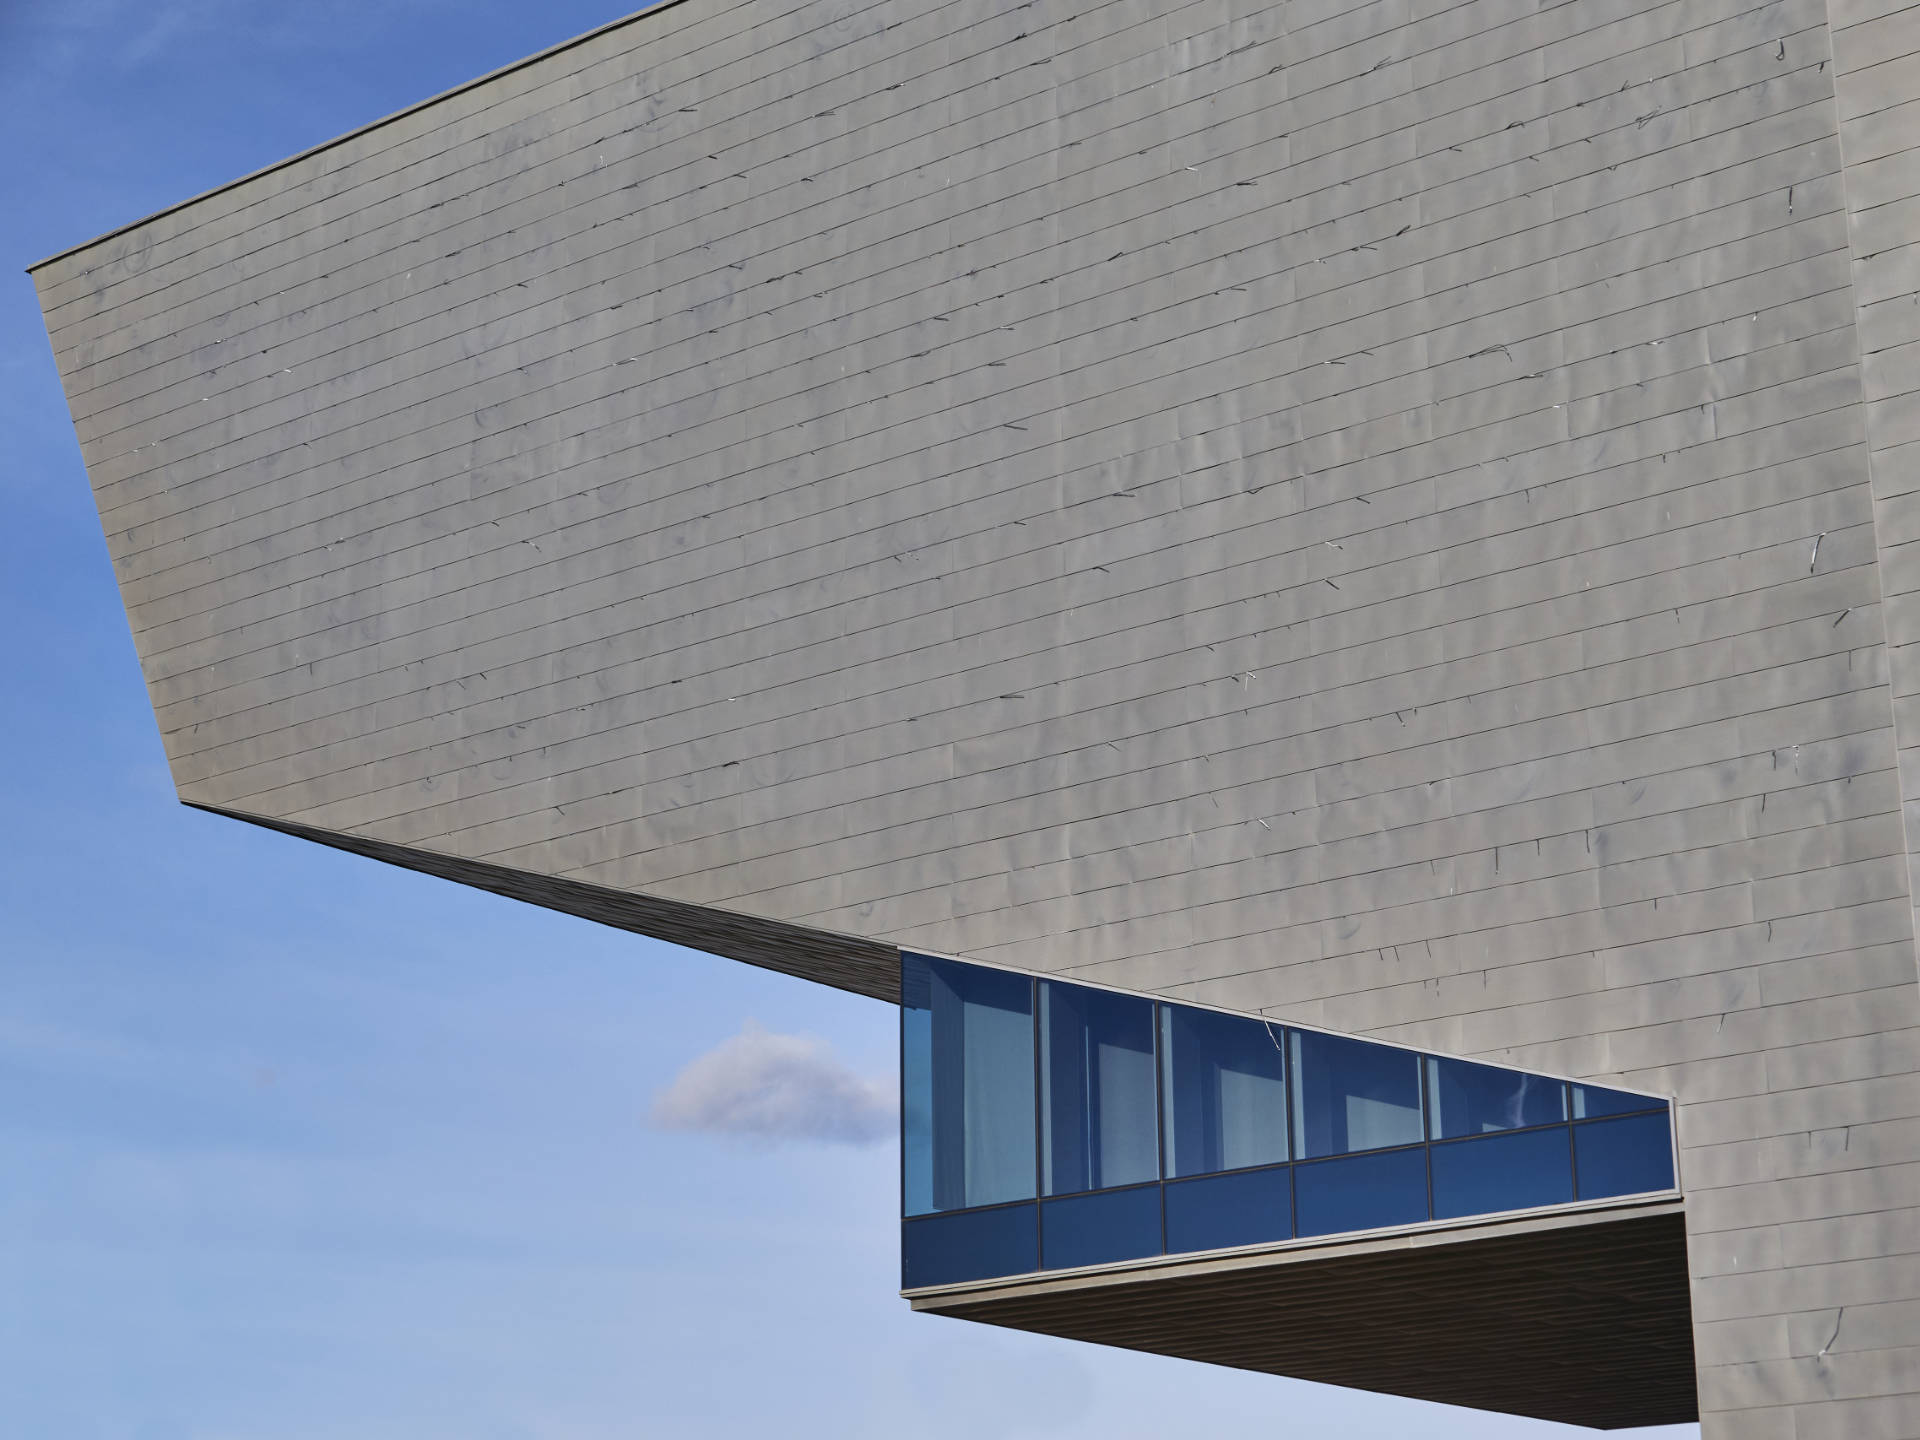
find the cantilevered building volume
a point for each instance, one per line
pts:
(1320, 591)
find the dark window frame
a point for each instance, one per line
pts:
(1282, 1035)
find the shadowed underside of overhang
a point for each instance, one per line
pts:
(1582, 1320)
(842, 961)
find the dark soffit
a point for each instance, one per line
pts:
(845, 962)
(1582, 1319)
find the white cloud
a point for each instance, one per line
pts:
(777, 1087)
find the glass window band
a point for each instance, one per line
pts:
(1144, 1127)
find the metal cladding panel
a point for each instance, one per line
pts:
(1376, 513)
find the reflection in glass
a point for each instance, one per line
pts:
(1468, 1099)
(1098, 1123)
(1623, 1157)
(978, 1245)
(1226, 1091)
(966, 1065)
(1099, 1229)
(1502, 1172)
(1246, 1207)
(1350, 1095)
(1240, 1134)
(1590, 1101)
(1362, 1192)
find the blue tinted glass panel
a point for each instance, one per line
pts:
(966, 1068)
(1245, 1208)
(1098, 1229)
(1225, 1088)
(1350, 1095)
(977, 1245)
(1363, 1192)
(1623, 1157)
(1464, 1099)
(1590, 1102)
(1502, 1172)
(1099, 1126)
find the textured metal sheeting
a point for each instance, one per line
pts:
(857, 965)
(1397, 515)
(1586, 1324)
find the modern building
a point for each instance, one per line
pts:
(1323, 593)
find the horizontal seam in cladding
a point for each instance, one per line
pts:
(1422, 1020)
(1807, 1269)
(1007, 15)
(1053, 344)
(202, 696)
(380, 563)
(1596, 875)
(1638, 656)
(586, 799)
(183, 382)
(1765, 1227)
(1222, 676)
(1574, 880)
(656, 379)
(672, 494)
(1337, 959)
(912, 205)
(1319, 999)
(1761, 1144)
(1323, 913)
(1849, 367)
(769, 857)
(1860, 77)
(1110, 427)
(909, 206)
(682, 138)
(1329, 908)
(1294, 737)
(1870, 1026)
(1907, 297)
(1426, 1021)
(1907, 34)
(1845, 26)
(566, 79)
(188, 381)
(933, 42)
(1816, 458)
(1416, 985)
(1591, 951)
(559, 81)
(759, 724)
(615, 427)
(1360, 75)
(588, 528)
(1625, 659)
(1545, 565)
(326, 145)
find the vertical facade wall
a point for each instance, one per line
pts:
(1372, 513)
(1876, 50)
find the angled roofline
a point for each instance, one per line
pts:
(355, 134)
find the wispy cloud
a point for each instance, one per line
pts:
(126, 35)
(777, 1087)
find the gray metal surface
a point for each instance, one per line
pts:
(1376, 512)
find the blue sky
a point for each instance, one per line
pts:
(293, 1145)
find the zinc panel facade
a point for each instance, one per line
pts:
(1390, 515)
